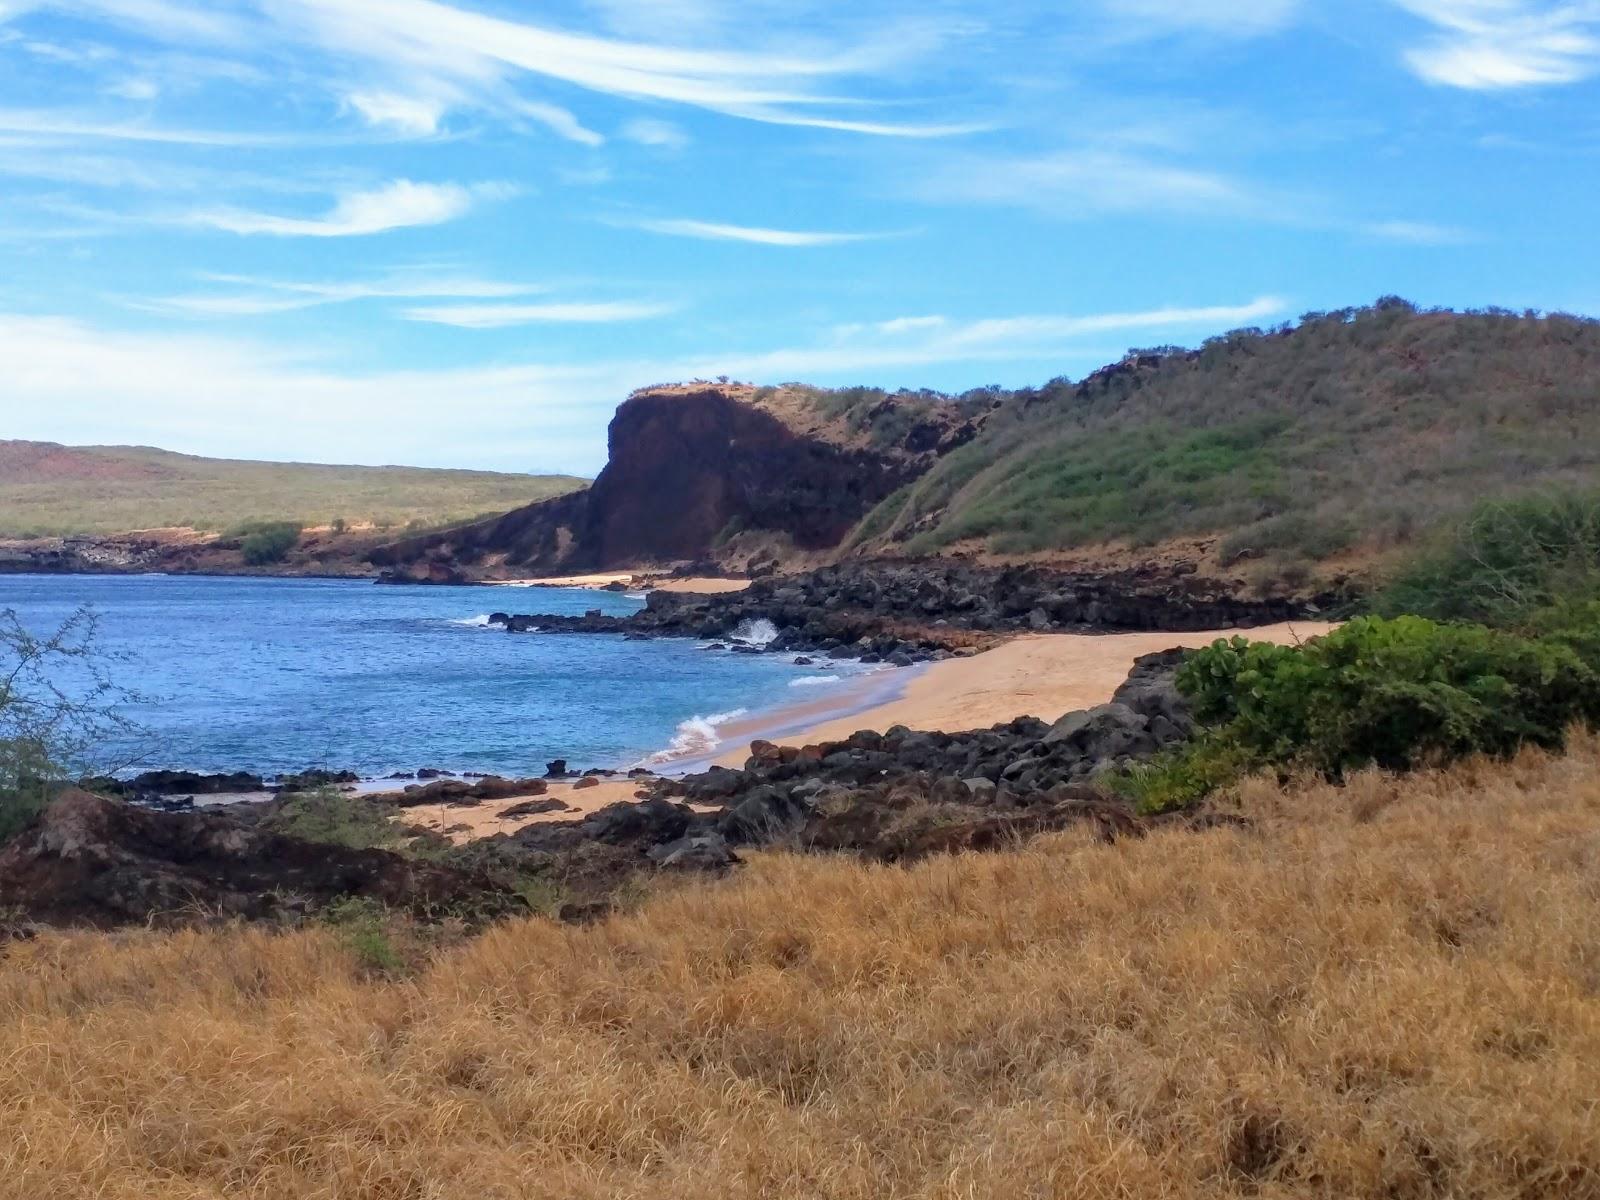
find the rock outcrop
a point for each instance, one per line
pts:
(906, 612)
(691, 467)
(94, 861)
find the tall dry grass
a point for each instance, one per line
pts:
(1390, 990)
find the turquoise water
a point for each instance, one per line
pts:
(275, 675)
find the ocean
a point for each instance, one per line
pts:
(279, 675)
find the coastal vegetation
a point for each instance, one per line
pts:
(1492, 643)
(264, 542)
(1381, 989)
(1360, 431)
(50, 490)
(59, 704)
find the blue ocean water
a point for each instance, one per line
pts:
(276, 675)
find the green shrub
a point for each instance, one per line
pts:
(364, 924)
(1504, 563)
(269, 542)
(335, 819)
(1392, 693)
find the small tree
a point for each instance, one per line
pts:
(59, 709)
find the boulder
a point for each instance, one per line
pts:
(1106, 732)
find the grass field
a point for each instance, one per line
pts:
(47, 489)
(1390, 990)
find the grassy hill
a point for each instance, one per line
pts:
(47, 489)
(1352, 432)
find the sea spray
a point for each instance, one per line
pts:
(481, 621)
(695, 737)
(757, 632)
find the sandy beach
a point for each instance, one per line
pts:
(634, 582)
(1041, 675)
(468, 823)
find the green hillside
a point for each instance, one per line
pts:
(1355, 430)
(46, 489)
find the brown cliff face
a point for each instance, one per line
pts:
(690, 466)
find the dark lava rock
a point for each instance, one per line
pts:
(89, 860)
(534, 808)
(171, 783)
(708, 853)
(555, 769)
(310, 781)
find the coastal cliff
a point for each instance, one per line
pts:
(721, 471)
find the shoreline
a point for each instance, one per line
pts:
(1038, 675)
(633, 581)
(1044, 675)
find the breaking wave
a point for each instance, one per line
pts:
(481, 621)
(759, 632)
(815, 680)
(696, 736)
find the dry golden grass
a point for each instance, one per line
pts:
(1391, 990)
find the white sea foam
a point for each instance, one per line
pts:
(760, 632)
(695, 737)
(815, 680)
(637, 595)
(481, 621)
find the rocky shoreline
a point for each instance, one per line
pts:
(908, 612)
(892, 797)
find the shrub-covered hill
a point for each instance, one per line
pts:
(1352, 431)
(48, 489)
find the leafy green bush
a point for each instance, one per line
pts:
(1391, 693)
(1507, 561)
(269, 542)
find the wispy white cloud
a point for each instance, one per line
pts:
(1084, 182)
(502, 316)
(263, 297)
(1487, 45)
(71, 126)
(417, 116)
(910, 342)
(1418, 233)
(717, 232)
(400, 204)
(649, 131)
(475, 56)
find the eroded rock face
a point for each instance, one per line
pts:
(715, 460)
(99, 862)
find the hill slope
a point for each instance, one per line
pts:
(47, 489)
(1353, 432)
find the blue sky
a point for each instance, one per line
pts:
(459, 233)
